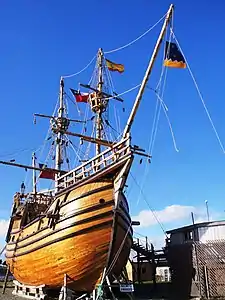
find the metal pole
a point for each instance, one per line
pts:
(207, 209)
(148, 72)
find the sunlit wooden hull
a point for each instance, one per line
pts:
(80, 241)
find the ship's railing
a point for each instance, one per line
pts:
(40, 198)
(105, 159)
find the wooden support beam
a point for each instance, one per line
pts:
(142, 154)
(29, 167)
(135, 223)
(91, 139)
(51, 117)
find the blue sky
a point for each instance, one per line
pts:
(42, 40)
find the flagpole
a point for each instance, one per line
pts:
(148, 72)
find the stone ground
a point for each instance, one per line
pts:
(8, 295)
(159, 295)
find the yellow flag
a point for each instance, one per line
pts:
(114, 67)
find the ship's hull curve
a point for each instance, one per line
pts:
(80, 235)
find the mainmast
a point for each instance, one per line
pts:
(100, 107)
(58, 158)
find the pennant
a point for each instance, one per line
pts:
(46, 174)
(114, 67)
(80, 97)
(173, 57)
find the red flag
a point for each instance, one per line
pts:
(80, 97)
(46, 174)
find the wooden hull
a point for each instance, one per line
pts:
(80, 241)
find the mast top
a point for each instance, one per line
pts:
(61, 81)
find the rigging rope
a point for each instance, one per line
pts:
(77, 73)
(138, 38)
(71, 145)
(158, 106)
(168, 120)
(127, 91)
(16, 152)
(155, 123)
(28, 182)
(154, 214)
(160, 88)
(74, 103)
(116, 256)
(200, 95)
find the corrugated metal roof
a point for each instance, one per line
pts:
(197, 225)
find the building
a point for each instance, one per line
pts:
(163, 274)
(196, 257)
(142, 271)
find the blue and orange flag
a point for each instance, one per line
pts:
(173, 57)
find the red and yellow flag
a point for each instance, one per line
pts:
(114, 67)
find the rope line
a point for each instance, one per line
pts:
(68, 76)
(116, 256)
(138, 38)
(200, 95)
(152, 211)
(160, 88)
(127, 91)
(168, 120)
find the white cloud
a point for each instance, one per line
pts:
(174, 213)
(3, 230)
(167, 215)
(3, 227)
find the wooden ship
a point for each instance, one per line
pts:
(82, 228)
